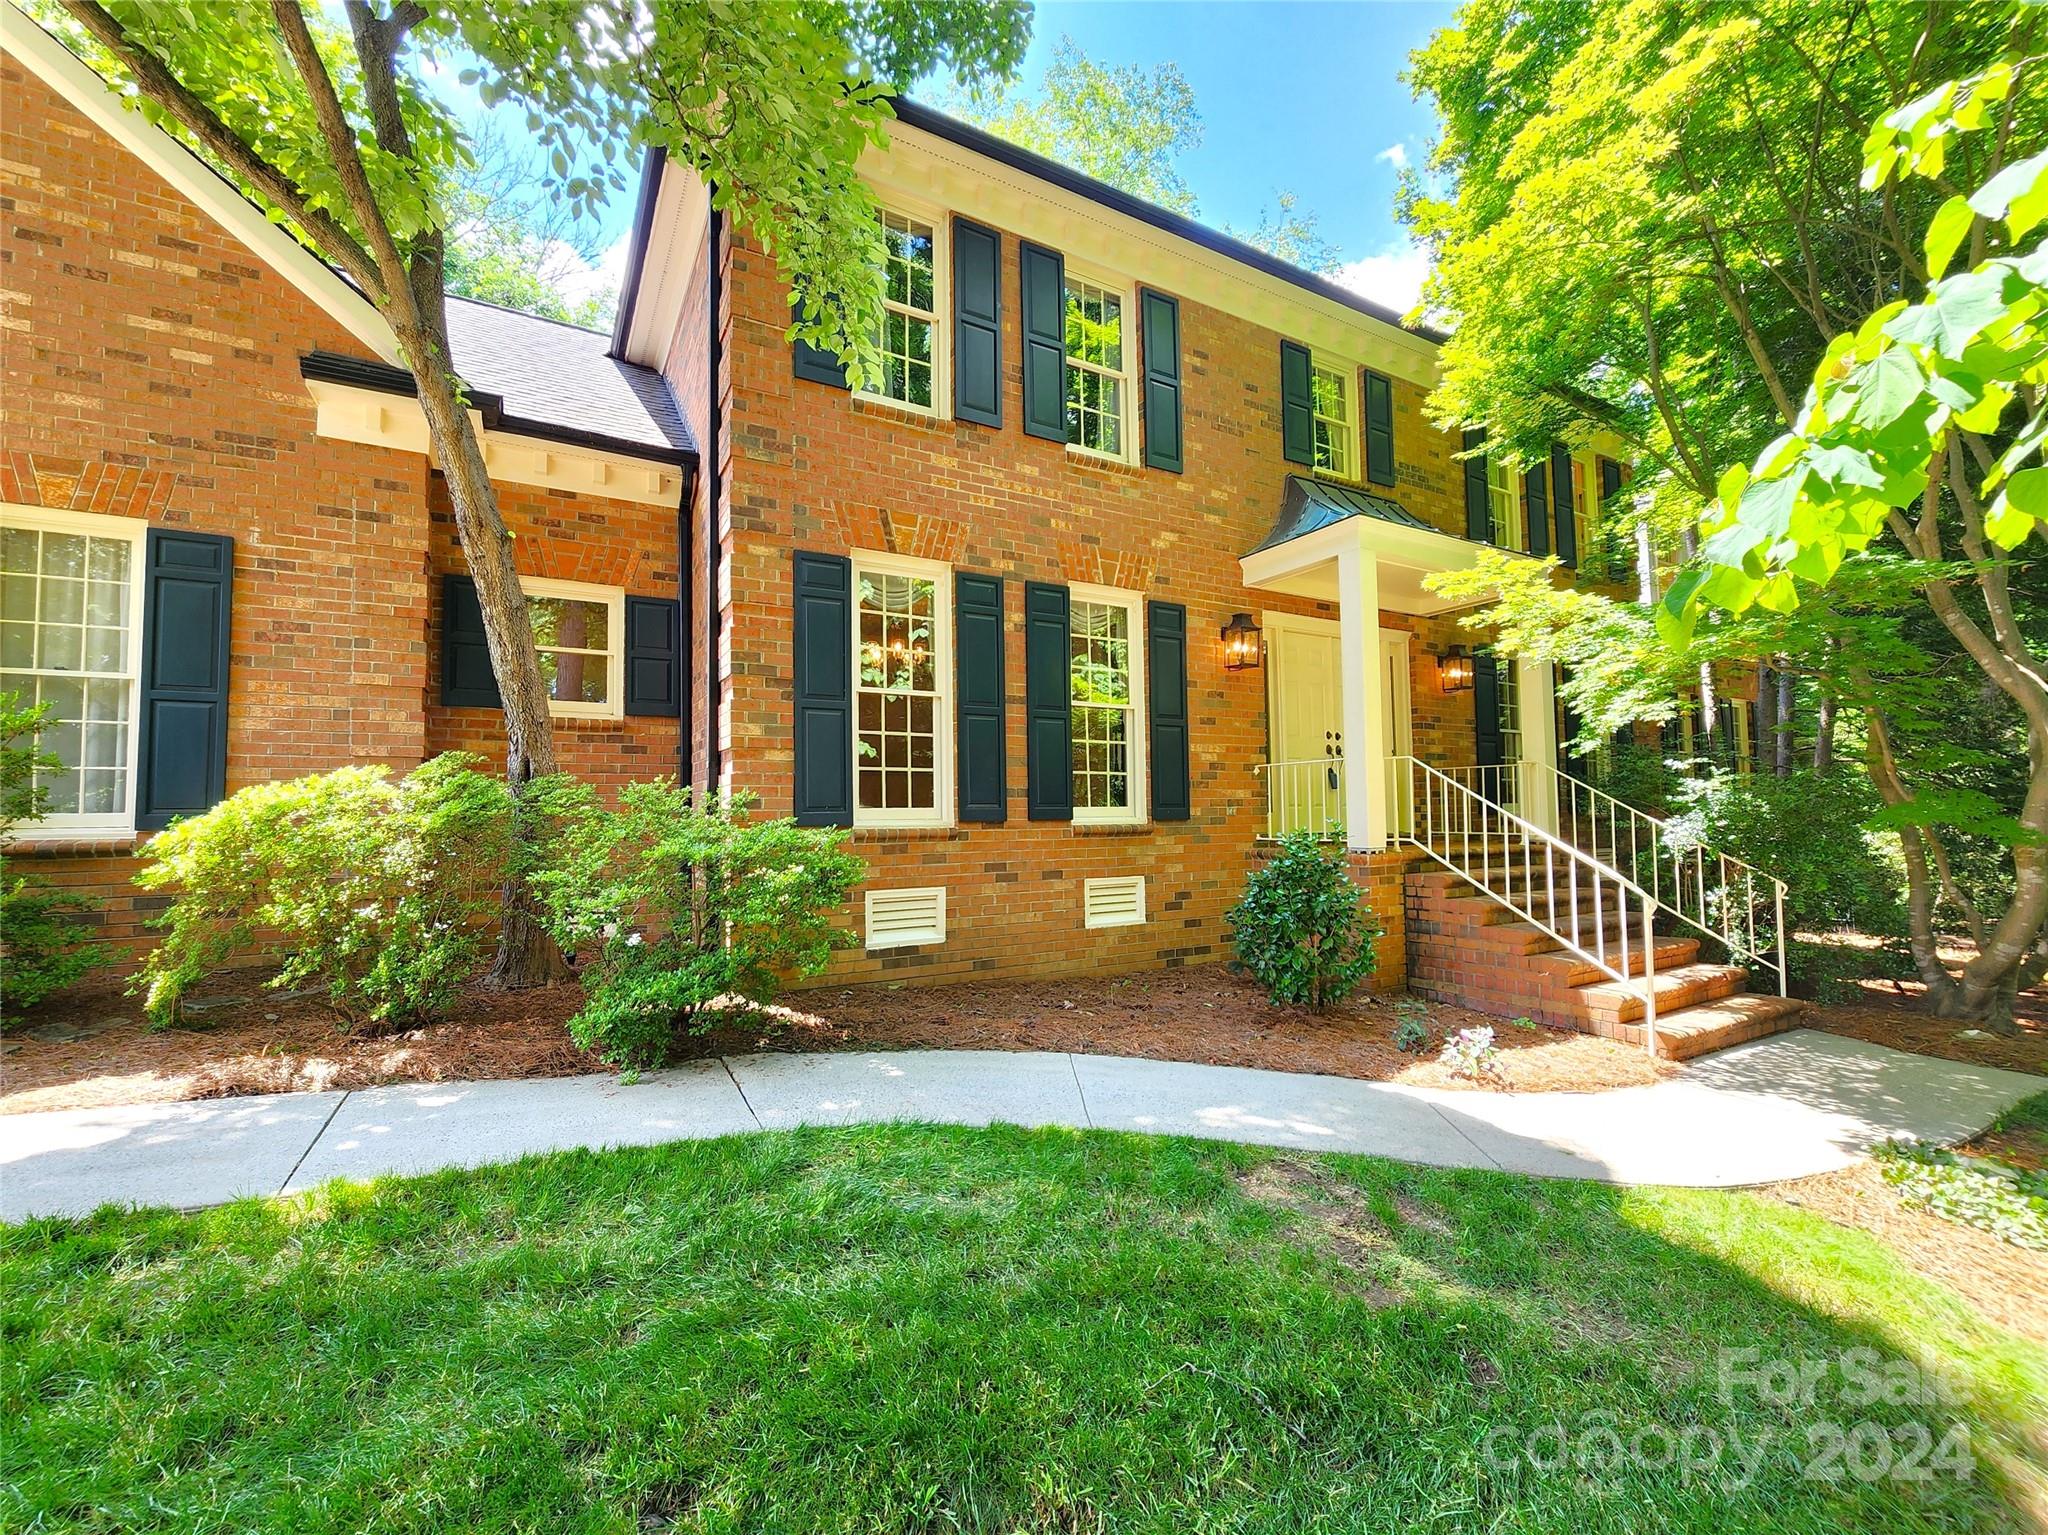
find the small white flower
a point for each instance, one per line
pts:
(632, 940)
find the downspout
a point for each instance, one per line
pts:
(685, 755)
(713, 486)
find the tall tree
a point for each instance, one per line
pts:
(1123, 125)
(512, 242)
(1658, 225)
(1293, 233)
(335, 133)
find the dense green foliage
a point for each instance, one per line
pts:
(1301, 928)
(43, 944)
(511, 243)
(380, 892)
(1653, 223)
(909, 1328)
(676, 908)
(1812, 832)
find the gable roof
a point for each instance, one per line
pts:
(542, 379)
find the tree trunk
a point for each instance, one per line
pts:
(526, 955)
(1824, 735)
(1781, 756)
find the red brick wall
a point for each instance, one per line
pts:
(149, 367)
(813, 468)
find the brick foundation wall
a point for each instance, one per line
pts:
(816, 469)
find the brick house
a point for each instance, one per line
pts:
(1116, 570)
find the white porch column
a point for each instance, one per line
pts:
(1537, 705)
(1365, 707)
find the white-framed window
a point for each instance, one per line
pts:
(579, 631)
(1098, 368)
(1333, 393)
(902, 680)
(71, 638)
(1106, 678)
(1504, 499)
(913, 339)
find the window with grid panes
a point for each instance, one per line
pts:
(1105, 725)
(68, 641)
(1330, 395)
(899, 720)
(910, 321)
(1098, 368)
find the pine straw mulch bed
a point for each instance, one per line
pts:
(253, 1041)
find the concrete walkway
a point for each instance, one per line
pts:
(1782, 1107)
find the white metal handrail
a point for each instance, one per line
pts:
(1307, 794)
(1510, 858)
(1714, 892)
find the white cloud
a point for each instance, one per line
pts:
(579, 279)
(1395, 155)
(1392, 277)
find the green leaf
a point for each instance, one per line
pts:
(2018, 194)
(1951, 223)
(1885, 388)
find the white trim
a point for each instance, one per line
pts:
(188, 175)
(613, 599)
(352, 413)
(943, 669)
(135, 531)
(1136, 733)
(933, 897)
(1126, 294)
(940, 224)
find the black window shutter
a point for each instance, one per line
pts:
(1610, 481)
(817, 364)
(1048, 704)
(977, 324)
(1478, 500)
(1488, 747)
(188, 589)
(1561, 504)
(1297, 408)
(1536, 508)
(654, 656)
(1042, 280)
(823, 650)
(1159, 318)
(978, 644)
(1166, 683)
(467, 681)
(1379, 428)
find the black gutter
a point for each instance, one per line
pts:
(685, 757)
(636, 249)
(1004, 153)
(361, 373)
(712, 486)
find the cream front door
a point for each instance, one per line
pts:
(1305, 704)
(1400, 728)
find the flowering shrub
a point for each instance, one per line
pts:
(383, 892)
(1300, 929)
(675, 909)
(1471, 1053)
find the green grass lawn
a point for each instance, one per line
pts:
(940, 1329)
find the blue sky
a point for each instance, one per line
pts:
(1293, 94)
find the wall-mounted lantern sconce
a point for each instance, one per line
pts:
(1454, 669)
(1240, 643)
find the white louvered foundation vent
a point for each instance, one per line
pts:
(1118, 902)
(897, 919)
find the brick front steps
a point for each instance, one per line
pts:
(1465, 947)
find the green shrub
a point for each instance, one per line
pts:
(676, 909)
(42, 944)
(382, 892)
(1300, 928)
(1411, 1033)
(1809, 831)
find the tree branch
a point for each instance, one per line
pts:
(198, 119)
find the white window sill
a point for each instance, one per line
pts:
(930, 415)
(1097, 456)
